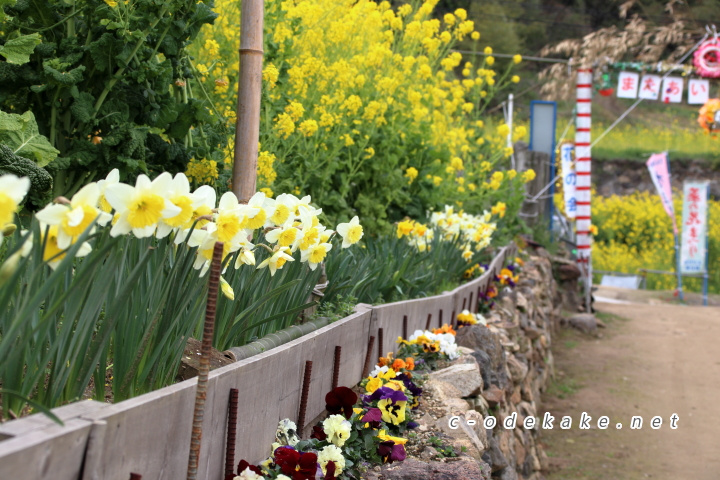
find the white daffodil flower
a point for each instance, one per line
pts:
(140, 208)
(276, 260)
(12, 192)
(112, 178)
(75, 218)
(180, 196)
(315, 254)
(351, 232)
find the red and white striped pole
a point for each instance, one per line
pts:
(583, 165)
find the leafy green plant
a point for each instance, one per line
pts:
(108, 85)
(341, 307)
(389, 269)
(263, 303)
(444, 451)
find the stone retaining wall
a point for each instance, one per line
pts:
(504, 368)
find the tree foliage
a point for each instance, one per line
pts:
(108, 84)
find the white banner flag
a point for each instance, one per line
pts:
(569, 177)
(650, 87)
(698, 91)
(694, 227)
(628, 85)
(672, 90)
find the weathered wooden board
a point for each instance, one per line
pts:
(148, 435)
(52, 452)
(465, 296)
(22, 426)
(389, 317)
(270, 385)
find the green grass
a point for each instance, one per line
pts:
(650, 128)
(563, 388)
(608, 318)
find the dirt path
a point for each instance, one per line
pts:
(651, 360)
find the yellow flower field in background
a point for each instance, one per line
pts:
(635, 232)
(366, 107)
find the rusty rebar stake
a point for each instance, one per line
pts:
(429, 319)
(336, 367)
(405, 336)
(206, 347)
(368, 357)
(304, 397)
(231, 432)
(380, 342)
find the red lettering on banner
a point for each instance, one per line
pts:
(694, 195)
(628, 83)
(693, 219)
(649, 85)
(695, 91)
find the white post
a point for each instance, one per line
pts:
(582, 170)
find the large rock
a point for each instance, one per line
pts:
(448, 395)
(488, 352)
(464, 468)
(493, 395)
(494, 456)
(585, 322)
(468, 434)
(518, 369)
(507, 473)
(465, 377)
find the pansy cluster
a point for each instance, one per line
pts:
(441, 344)
(166, 207)
(508, 276)
(360, 430)
(427, 347)
(466, 318)
(474, 231)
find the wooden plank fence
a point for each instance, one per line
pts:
(150, 435)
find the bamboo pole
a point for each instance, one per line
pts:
(247, 128)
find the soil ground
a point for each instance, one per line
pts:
(652, 359)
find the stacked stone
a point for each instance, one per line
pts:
(502, 371)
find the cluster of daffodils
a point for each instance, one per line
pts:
(475, 231)
(166, 207)
(467, 318)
